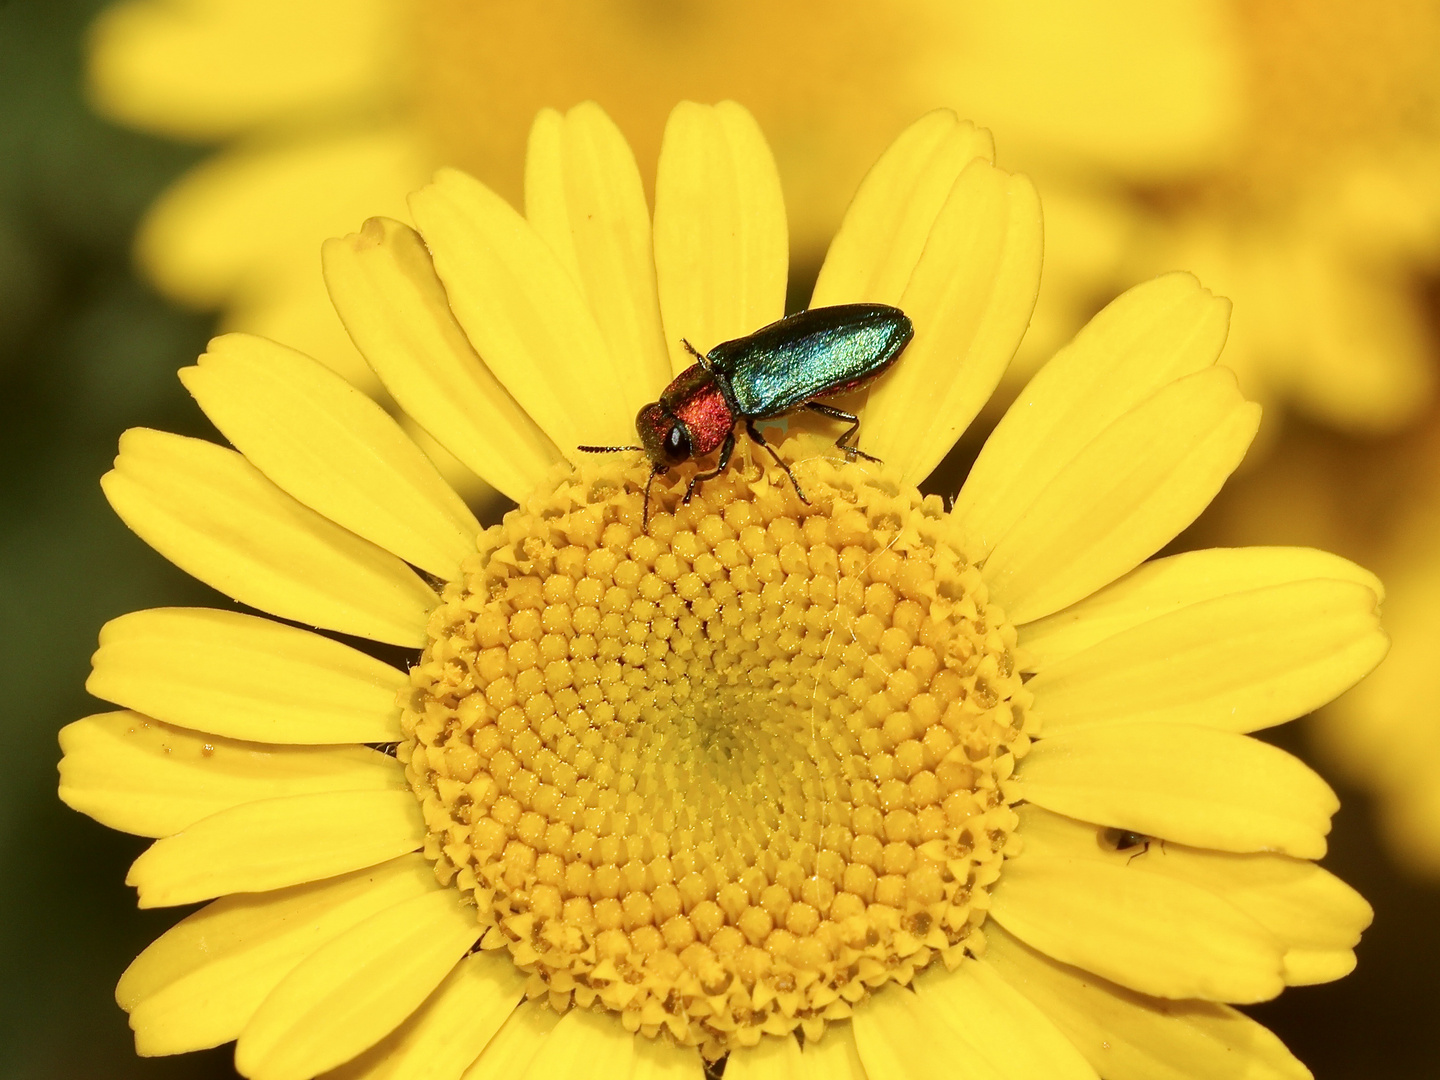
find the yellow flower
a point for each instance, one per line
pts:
(1287, 152)
(354, 102)
(1324, 214)
(919, 785)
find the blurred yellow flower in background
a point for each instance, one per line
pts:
(331, 106)
(923, 785)
(1285, 151)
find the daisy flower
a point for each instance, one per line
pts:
(859, 786)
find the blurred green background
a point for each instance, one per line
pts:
(87, 350)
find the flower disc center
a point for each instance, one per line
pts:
(729, 775)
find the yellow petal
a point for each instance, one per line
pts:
(721, 247)
(292, 306)
(515, 1044)
(384, 286)
(884, 231)
(214, 515)
(278, 842)
(1156, 935)
(970, 297)
(1123, 496)
(245, 677)
(901, 1037)
(198, 984)
(1238, 662)
(356, 988)
(1127, 1036)
(319, 439)
(770, 1059)
(1186, 783)
(204, 70)
(545, 196)
(588, 1044)
(1145, 339)
(449, 1031)
(1001, 1024)
(831, 1057)
(138, 775)
(524, 313)
(1167, 585)
(1312, 967)
(1316, 915)
(584, 195)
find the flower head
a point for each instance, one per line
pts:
(858, 783)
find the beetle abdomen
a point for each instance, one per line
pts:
(812, 354)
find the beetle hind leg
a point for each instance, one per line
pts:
(754, 433)
(846, 441)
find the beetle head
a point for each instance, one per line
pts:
(664, 435)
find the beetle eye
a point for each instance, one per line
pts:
(677, 444)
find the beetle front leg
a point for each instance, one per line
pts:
(755, 434)
(851, 433)
(725, 451)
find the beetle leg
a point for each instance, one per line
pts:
(645, 514)
(851, 433)
(726, 450)
(755, 434)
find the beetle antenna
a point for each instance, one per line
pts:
(607, 449)
(701, 358)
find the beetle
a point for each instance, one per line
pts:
(1123, 840)
(780, 368)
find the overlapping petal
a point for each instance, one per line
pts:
(525, 313)
(272, 843)
(447, 1033)
(955, 243)
(584, 195)
(1128, 1036)
(1183, 782)
(215, 516)
(516, 1043)
(1069, 898)
(384, 286)
(319, 439)
(1239, 662)
(587, 1044)
(246, 677)
(1150, 336)
(1164, 586)
(886, 228)
(356, 988)
(200, 982)
(1000, 1025)
(1125, 494)
(141, 776)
